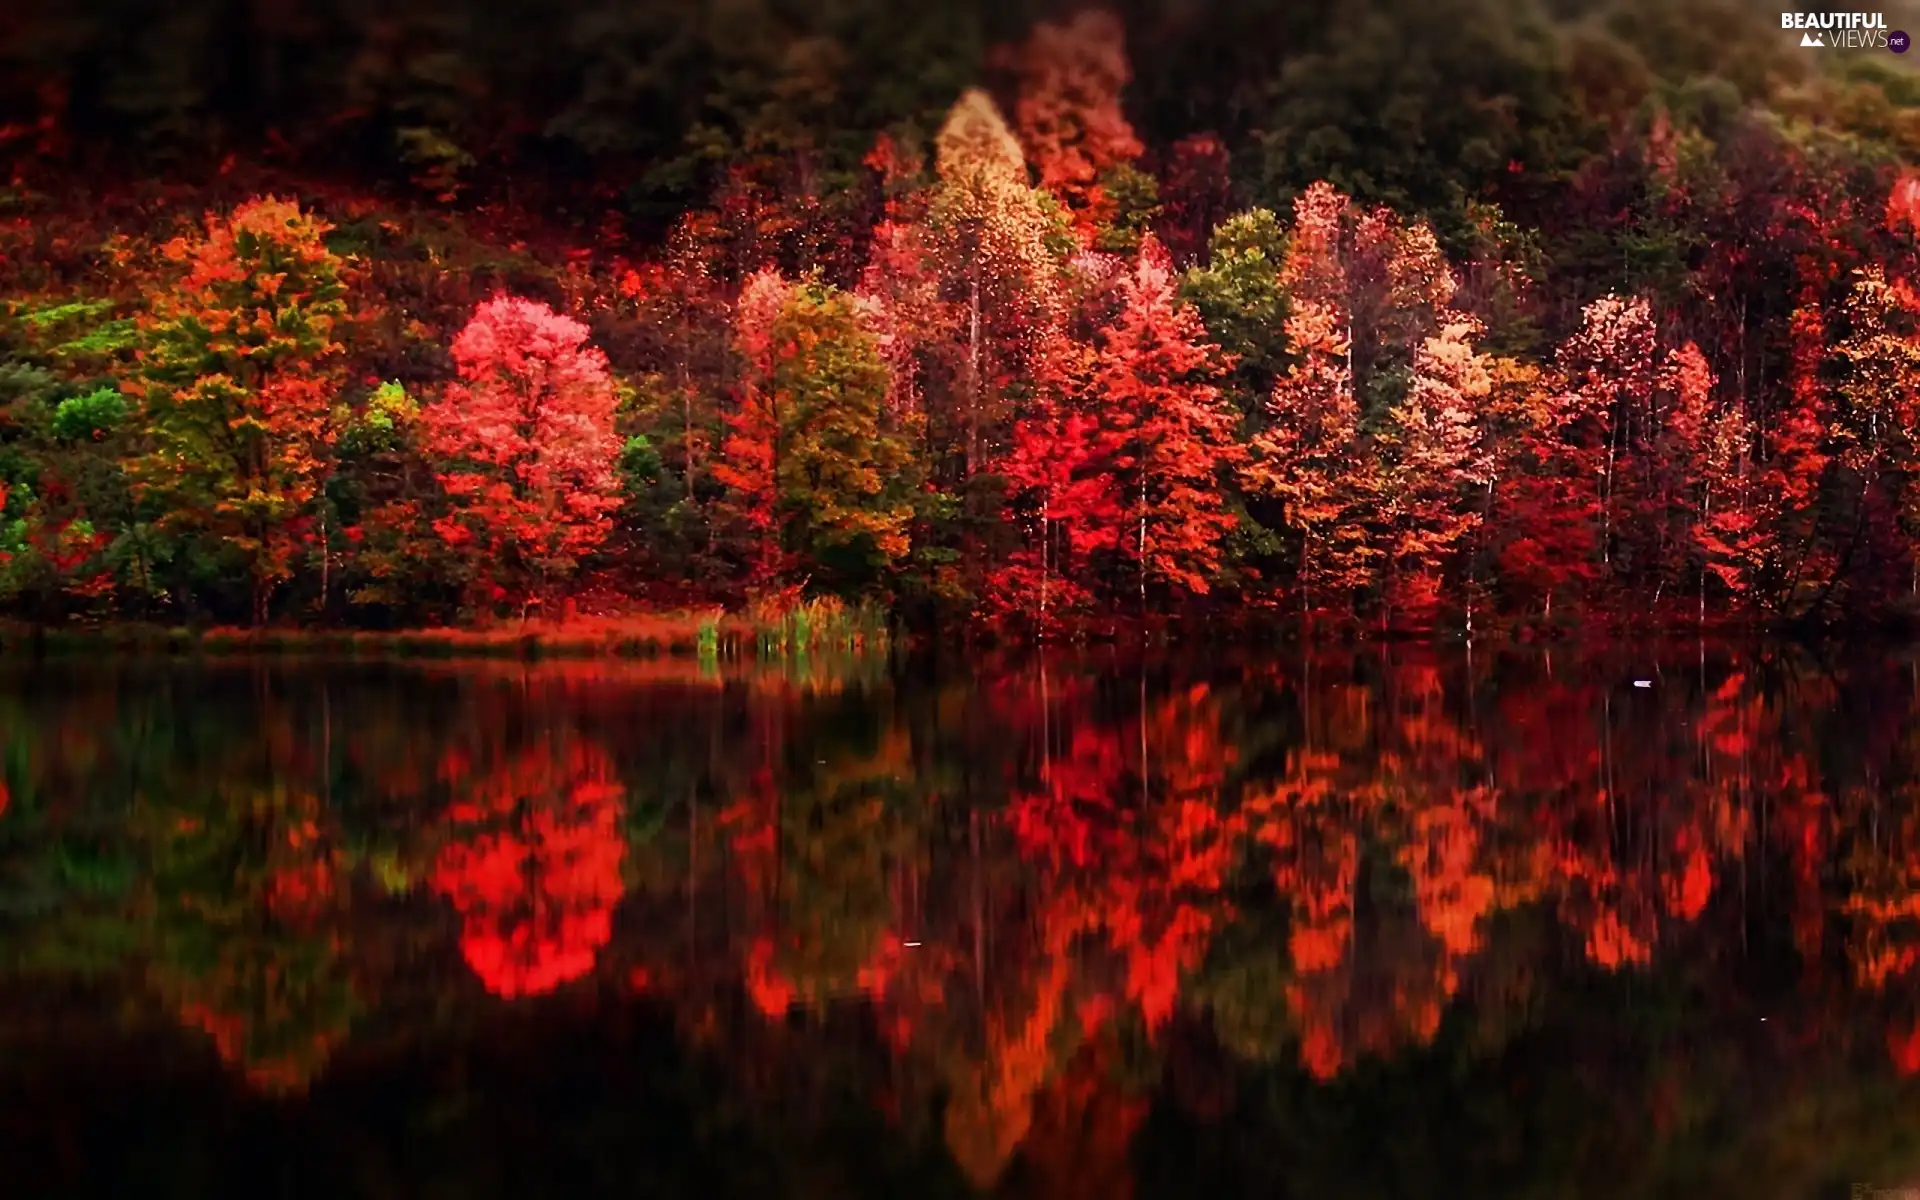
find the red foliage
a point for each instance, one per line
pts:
(528, 448)
(1167, 434)
(1903, 1045)
(1056, 493)
(1068, 115)
(535, 867)
(1903, 202)
(238, 384)
(750, 456)
(1196, 196)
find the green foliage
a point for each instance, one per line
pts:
(1135, 196)
(641, 469)
(845, 478)
(384, 425)
(1242, 303)
(92, 417)
(1418, 104)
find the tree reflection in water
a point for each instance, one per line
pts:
(1040, 925)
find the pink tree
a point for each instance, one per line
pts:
(527, 444)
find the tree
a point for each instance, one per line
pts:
(1309, 460)
(845, 474)
(1611, 367)
(237, 385)
(1196, 196)
(381, 489)
(1167, 434)
(526, 448)
(992, 235)
(1434, 462)
(1878, 403)
(1068, 114)
(815, 465)
(1699, 458)
(1309, 457)
(749, 466)
(985, 271)
(1731, 541)
(1543, 507)
(1799, 566)
(1055, 490)
(1240, 298)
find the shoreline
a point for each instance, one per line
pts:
(696, 635)
(664, 635)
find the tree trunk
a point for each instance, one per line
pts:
(973, 368)
(1606, 502)
(1143, 549)
(1706, 520)
(686, 407)
(326, 560)
(1046, 555)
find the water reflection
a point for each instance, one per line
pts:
(1049, 927)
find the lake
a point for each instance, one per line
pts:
(1375, 922)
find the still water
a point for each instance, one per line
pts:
(1387, 922)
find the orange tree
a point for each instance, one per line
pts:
(237, 380)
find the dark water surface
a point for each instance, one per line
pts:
(1388, 923)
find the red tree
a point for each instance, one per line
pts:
(1068, 115)
(1054, 491)
(1196, 196)
(1613, 374)
(1167, 433)
(1796, 463)
(527, 444)
(750, 456)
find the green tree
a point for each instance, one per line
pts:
(815, 464)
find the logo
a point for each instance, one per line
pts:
(1843, 31)
(1899, 42)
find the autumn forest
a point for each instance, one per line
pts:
(1441, 317)
(1028, 598)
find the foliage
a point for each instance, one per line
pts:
(527, 449)
(1523, 316)
(236, 386)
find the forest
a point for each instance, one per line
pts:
(1407, 316)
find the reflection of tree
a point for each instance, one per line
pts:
(991, 1103)
(248, 943)
(816, 847)
(533, 866)
(1082, 1130)
(1243, 988)
(1312, 873)
(1903, 1042)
